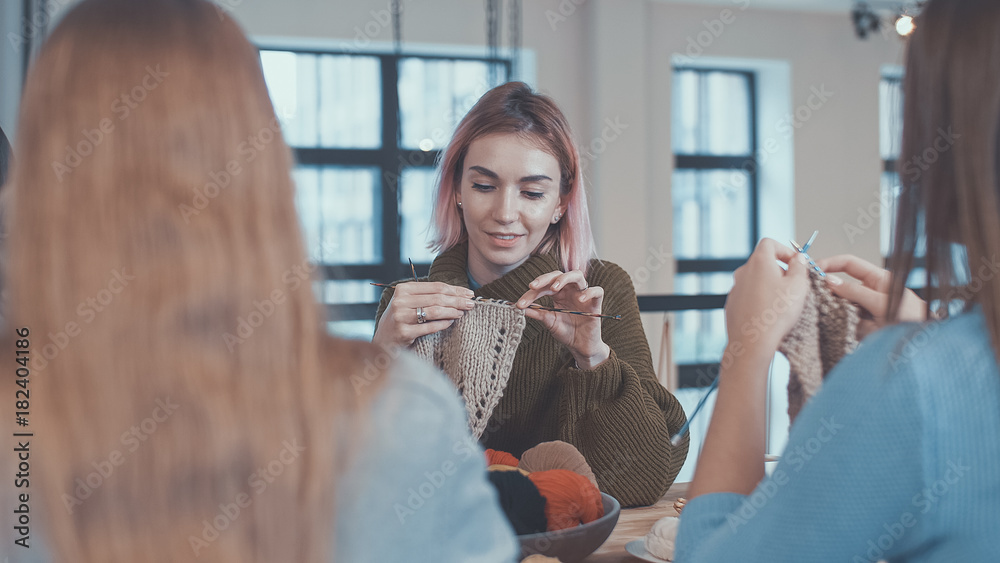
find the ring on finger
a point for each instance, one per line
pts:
(421, 315)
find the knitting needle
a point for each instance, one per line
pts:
(805, 247)
(558, 310)
(532, 306)
(412, 269)
(676, 439)
(809, 258)
(581, 313)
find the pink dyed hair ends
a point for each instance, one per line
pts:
(514, 108)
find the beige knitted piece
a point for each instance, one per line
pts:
(477, 353)
(825, 333)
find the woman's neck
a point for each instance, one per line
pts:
(482, 272)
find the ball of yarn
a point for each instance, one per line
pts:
(660, 540)
(499, 467)
(520, 500)
(570, 499)
(496, 457)
(556, 455)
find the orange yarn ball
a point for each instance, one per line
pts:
(570, 498)
(496, 457)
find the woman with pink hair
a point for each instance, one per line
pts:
(511, 223)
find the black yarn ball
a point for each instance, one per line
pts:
(520, 501)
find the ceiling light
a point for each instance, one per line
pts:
(904, 25)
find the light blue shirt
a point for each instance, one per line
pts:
(896, 458)
(418, 491)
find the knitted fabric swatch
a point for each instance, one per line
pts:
(826, 332)
(477, 353)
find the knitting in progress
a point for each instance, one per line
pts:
(477, 354)
(825, 333)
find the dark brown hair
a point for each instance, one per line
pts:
(950, 155)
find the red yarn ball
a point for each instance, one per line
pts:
(496, 457)
(570, 498)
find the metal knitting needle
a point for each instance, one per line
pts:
(532, 306)
(809, 258)
(676, 439)
(555, 309)
(567, 311)
(412, 269)
(805, 247)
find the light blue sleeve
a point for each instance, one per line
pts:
(847, 485)
(418, 490)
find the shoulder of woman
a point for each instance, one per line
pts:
(605, 269)
(923, 351)
(608, 275)
(415, 384)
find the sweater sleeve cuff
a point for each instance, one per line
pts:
(593, 386)
(703, 517)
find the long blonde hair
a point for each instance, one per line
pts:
(180, 371)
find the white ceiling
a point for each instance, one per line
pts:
(831, 6)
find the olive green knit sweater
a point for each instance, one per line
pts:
(618, 415)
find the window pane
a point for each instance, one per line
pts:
(699, 336)
(715, 283)
(326, 101)
(712, 213)
(347, 291)
(341, 211)
(887, 206)
(416, 204)
(711, 113)
(434, 95)
(890, 96)
(354, 330)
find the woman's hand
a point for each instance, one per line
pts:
(766, 301)
(764, 304)
(441, 304)
(872, 294)
(581, 334)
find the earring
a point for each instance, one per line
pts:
(460, 205)
(556, 218)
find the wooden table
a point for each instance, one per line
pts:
(633, 523)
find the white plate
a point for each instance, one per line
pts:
(637, 548)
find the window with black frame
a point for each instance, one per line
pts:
(366, 130)
(890, 144)
(890, 92)
(714, 193)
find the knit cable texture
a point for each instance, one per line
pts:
(477, 354)
(825, 333)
